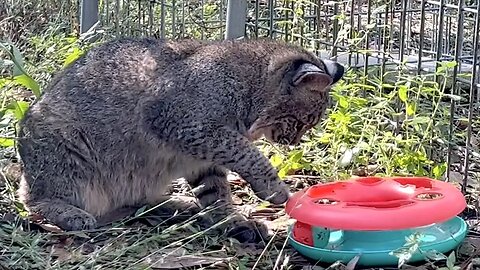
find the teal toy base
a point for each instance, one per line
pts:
(374, 247)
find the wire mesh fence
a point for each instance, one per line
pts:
(164, 18)
(377, 37)
(358, 33)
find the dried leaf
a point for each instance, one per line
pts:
(36, 217)
(470, 246)
(280, 223)
(314, 267)
(179, 258)
(7, 217)
(475, 141)
(50, 227)
(87, 248)
(60, 253)
(237, 200)
(81, 235)
(59, 250)
(352, 263)
(265, 211)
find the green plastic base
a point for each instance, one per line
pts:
(374, 246)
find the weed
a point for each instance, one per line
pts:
(365, 133)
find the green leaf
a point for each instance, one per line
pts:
(434, 255)
(343, 102)
(72, 57)
(402, 93)
(4, 142)
(140, 211)
(284, 171)
(450, 64)
(389, 86)
(18, 69)
(411, 108)
(263, 205)
(29, 83)
(439, 170)
(325, 138)
(4, 82)
(451, 260)
(276, 160)
(20, 75)
(296, 166)
(420, 120)
(403, 254)
(295, 156)
(18, 108)
(15, 56)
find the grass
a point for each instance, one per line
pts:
(374, 127)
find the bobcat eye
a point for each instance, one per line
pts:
(314, 120)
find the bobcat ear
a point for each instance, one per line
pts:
(334, 69)
(309, 73)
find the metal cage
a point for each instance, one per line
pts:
(416, 35)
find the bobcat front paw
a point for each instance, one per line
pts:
(276, 194)
(76, 221)
(249, 231)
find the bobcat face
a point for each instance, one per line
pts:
(301, 102)
(289, 130)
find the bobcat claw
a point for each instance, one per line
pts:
(280, 196)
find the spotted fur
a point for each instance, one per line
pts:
(114, 129)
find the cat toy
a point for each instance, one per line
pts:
(372, 217)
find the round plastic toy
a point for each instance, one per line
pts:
(372, 216)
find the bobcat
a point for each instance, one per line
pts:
(117, 126)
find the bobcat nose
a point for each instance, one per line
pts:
(298, 138)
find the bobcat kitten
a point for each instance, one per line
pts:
(115, 128)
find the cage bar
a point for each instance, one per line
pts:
(236, 19)
(88, 14)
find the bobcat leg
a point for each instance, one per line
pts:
(221, 146)
(63, 214)
(212, 190)
(175, 209)
(169, 209)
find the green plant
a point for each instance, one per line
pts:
(19, 87)
(376, 128)
(451, 260)
(410, 247)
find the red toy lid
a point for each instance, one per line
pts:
(375, 203)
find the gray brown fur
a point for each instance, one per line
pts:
(117, 126)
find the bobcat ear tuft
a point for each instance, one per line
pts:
(334, 69)
(310, 73)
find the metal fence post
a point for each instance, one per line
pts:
(236, 19)
(88, 14)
